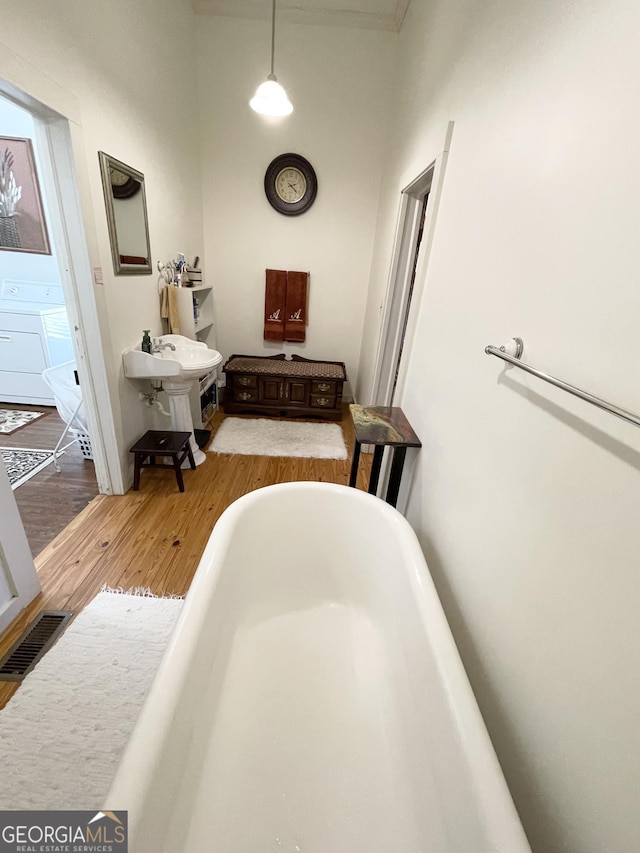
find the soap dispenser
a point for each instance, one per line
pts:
(146, 341)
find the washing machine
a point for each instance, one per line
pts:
(34, 335)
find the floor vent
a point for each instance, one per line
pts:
(37, 639)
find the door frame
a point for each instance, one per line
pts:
(397, 328)
(65, 179)
(405, 288)
(75, 268)
(16, 563)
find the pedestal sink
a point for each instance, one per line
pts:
(177, 369)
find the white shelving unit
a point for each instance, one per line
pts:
(198, 325)
(200, 328)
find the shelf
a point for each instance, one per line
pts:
(197, 287)
(186, 297)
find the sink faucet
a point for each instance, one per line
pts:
(158, 346)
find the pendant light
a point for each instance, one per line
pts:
(270, 98)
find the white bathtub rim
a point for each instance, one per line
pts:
(137, 767)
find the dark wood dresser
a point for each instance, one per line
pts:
(275, 385)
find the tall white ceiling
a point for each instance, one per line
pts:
(365, 14)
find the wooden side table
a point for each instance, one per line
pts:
(382, 426)
(162, 443)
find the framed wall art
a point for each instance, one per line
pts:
(22, 223)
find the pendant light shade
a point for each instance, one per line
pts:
(270, 98)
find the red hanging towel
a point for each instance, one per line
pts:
(274, 305)
(296, 306)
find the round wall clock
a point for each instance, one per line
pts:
(290, 184)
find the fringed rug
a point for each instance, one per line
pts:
(22, 463)
(263, 437)
(63, 732)
(12, 420)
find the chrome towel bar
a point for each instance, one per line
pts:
(511, 353)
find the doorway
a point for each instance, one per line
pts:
(405, 302)
(56, 140)
(34, 337)
(419, 202)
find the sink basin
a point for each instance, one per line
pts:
(189, 360)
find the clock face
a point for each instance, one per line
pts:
(290, 184)
(122, 185)
(118, 178)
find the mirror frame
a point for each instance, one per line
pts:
(106, 164)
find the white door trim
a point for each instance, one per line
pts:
(397, 331)
(62, 147)
(392, 340)
(393, 328)
(20, 583)
(77, 285)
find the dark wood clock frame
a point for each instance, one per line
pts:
(126, 190)
(296, 161)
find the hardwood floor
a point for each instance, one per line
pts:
(155, 537)
(49, 501)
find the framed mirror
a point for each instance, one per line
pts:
(126, 205)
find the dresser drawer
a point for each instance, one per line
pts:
(245, 381)
(322, 401)
(245, 395)
(324, 387)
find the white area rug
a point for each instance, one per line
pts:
(62, 733)
(264, 437)
(14, 419)
(23, 463)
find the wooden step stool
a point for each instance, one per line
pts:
(162, 443)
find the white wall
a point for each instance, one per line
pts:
(129, 68)
(339, 81)
(526, 499)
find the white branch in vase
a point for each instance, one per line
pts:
(10, 193)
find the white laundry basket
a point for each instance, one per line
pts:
(68, 399)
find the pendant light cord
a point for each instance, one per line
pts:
(270, 98)
(272, 76)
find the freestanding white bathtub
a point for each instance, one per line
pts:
(312, 699)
